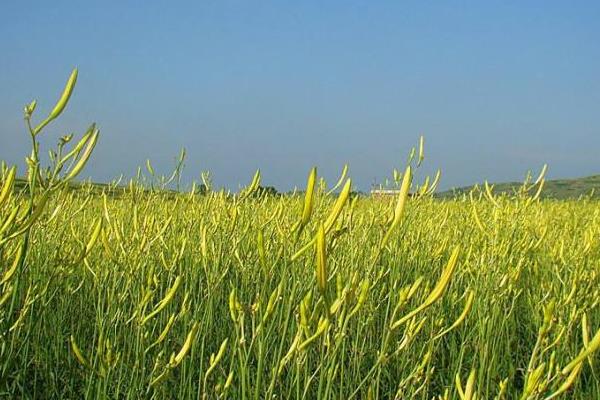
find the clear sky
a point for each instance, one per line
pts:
(497, 88)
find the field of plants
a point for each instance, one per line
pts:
(139, 292)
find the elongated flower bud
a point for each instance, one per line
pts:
(187, 345)
(398, 211)
(7, 186)
(61, 103)
(321, 261)
(308, 197)
(64, 98)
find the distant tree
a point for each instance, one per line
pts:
(266, 191)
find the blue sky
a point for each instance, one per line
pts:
(497, 88)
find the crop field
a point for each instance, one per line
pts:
(138, 292)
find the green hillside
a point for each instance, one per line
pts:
(554, 189)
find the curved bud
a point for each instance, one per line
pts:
(64, 98)
(61, 103)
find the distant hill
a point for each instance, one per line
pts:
(554, 189)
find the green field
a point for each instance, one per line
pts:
(160, 294)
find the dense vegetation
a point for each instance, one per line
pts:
(154, 294)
